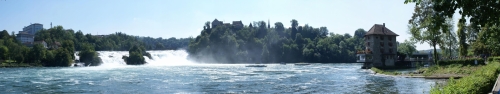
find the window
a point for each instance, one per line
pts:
(381, 44)
(390, 44)
(390, 50)
(381, 50)
(390, 38)
(368, 43)
(368, 37)
(381, 37)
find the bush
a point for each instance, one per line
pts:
(479, 82)
(62, 58)
(135, 56)
(89, 56)
(493, 59)
(464, 62)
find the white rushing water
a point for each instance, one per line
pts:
(159, 58)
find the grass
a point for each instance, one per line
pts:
(479, 81)
(455, 69)
(379, 71)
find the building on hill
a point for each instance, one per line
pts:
(381, 47)
(216, 23)
(33, 28)
(25, 37)
(55, 45)
(43, 43)
(237, 25)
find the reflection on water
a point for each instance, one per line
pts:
(207, 78)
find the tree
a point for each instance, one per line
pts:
(4, 34)
(425, 25)
(449, 41)
(37, 54)
(462, 38)
(278, 44)
(135, 56)
(480, 14)
(89, 56)
(407, 47)
(4, 53)
(359, 33)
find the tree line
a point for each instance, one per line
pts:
(259, 42)
(478, 26)
(62, 44)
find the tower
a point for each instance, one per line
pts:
(268, 24)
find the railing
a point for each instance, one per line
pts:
(364, 52)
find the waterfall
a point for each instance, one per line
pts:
(159, 58)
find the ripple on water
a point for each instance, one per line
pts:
(223, 78)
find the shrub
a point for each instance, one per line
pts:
(89, 56)
(135, 56)
(480, 81)
(464, 62)
(493, 59)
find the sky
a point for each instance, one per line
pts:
(186, 18)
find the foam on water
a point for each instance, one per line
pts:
(159, 58)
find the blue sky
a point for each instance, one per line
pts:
(185, 18)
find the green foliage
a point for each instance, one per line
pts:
(135, 56)
(448, 42)
(4, 52)
(425, 25)
(258, 43)
(37, 54)
(465, 62)
(493, 59)
(454, 69)
(483, 19)
(407, 47)
(62, 58)
(89, 56)
(62, 44)
(480, 81)
(123, 42)
(379, 71)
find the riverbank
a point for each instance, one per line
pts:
(433, 72)
(14, 65)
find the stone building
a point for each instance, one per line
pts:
(216, 23)
(381, 47)
(237, 25)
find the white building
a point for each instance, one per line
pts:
(33, 28)
(25, 37)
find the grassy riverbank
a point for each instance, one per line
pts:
(434, 72)
(453, 69)
(479, 81)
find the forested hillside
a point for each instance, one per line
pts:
(63, 43)
(262, 43)
(165, 44)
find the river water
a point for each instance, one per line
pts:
(169, 72)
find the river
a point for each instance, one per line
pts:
(170, 72)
